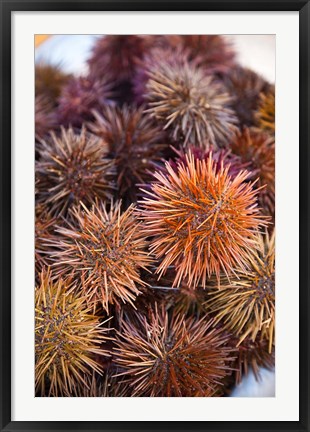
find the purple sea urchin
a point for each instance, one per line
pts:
(119, 55)
(212, 52)
(220, 157)
(80, 96)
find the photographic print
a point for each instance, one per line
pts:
(154, 215)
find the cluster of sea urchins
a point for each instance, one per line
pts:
(155, 211)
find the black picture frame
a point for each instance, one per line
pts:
(6, 8)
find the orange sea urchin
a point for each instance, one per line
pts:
(201, 220)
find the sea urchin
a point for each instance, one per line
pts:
(194, 107)
(73, 167)
(258, 150)
(245, 304)
(171, 356)
(106, 251)
(133, 141)
(201, 220)
(118, 54)
(80, 96)
(266, 111)
(67, 336)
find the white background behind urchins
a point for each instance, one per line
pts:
(254, 51)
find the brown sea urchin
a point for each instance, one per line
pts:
(44, 232)
(133, 141)
(73, 167)
(184, 300)
(258, 150)
(67, 336)
(253, 355)
(194, 107)
(45, 117)
(201, 221)
(171, 356)
(106, 251)
(102, 386)
(49, 81)
(246, 87)
(245, 304)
